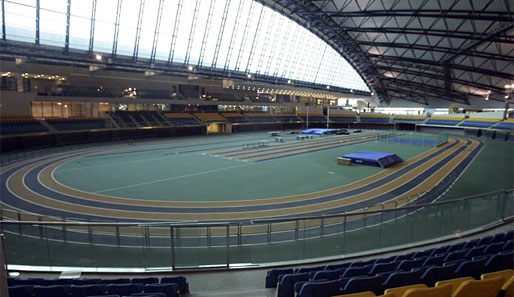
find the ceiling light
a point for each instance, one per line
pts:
(98, 57)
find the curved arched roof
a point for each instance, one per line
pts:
(417, 50)
(225, 35)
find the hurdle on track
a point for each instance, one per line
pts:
(253, 145)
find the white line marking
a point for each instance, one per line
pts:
(172, 178)
(120, 163)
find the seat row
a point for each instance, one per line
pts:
(37, 287)
(496, 284)
(472, 258)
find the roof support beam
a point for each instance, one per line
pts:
(156, 32)
(3, 20)
(175, 32)
(138, 29)
(92, 28)
(116, 30)
(67, 36)
(502, 16)
(37, 21)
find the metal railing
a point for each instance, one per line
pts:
(106, 246)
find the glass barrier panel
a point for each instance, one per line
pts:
(158, 252)
(27, 248)
(193, 249)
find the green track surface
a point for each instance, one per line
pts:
(492, 170)
(164, 175)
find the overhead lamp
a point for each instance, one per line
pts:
(506, 96)
(249, 75)
(98, 57)
(508, 86)
(328, 87)
(486, 98)
(190, 68)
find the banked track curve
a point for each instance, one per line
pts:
(29, 186)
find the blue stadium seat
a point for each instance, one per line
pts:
(500, 262)
(508, 236)
(147, 295)
(456, 255)
(402, 278)
(171, 290)
(309, 269)
(145, 280)
(475, 251)
(499, 237)
(404, 257)
(385, 260)
(361, 284)
(52, 291)
(285, 287)
(181, 281)
(508, 246)
(384, 275)
(437, 273)
(88, 290)
(337, 266)
(493, 248)
(108, 281)
(320, 289)
(485, 240)
(86, 281)
(357, 271)
(473, 268)
(298, 285)
(409, 264)
(21, 291)
(272, 276)
(421, 254)
(435, 260)
(456, 247)
(363, 263)
(440, 250)
(28, 282)
(471, 243)
(326, 274)
(125, 289)
(383, 267)
(56, 282)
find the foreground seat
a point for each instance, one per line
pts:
(272, 276)
(285, 287)
(361, 284)
(21, 291)
(52, 291)
(480, 288)
(181, 281)
(125, 289)
(321, 289)
(442, 291)
(399, 291)
(454, 282)
(88, 290)
(170, 290)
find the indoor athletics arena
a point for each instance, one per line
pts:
(257, 148)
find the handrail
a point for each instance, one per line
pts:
(257, 221)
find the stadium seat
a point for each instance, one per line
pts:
(498, 237)
(360, 284)
(435, 260)
(56, 282)
(145, 280)
(485, 240)
(509, 246)
(108, 281)
(285, 287)
(86, 281)
(493, 248)
(456, 247)
(440, 250)
(442, 291)
(170, 290)
(402, 278)
(475, 251)
(181, 281)
(399, 291)
(499, 262)
(383, 267)
(473, 268)
(507, 274)
(356, 271)
(320, 289)
(147, 295)
(508, 288)
(272, 276)
(28, 282)
(125, 289)
(385, 260)
(309, 269)
(404, 257)
(363, 263)
(437, 273)
(456, 255)
(52, 291)
(337, 266)
(326, 274)
(471, 243)
(409, 264)
(88, 290)
(298, 285)
(21, 291)
(479, 288)
(361, 294)
(454, 282)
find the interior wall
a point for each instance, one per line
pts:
(14, 104)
